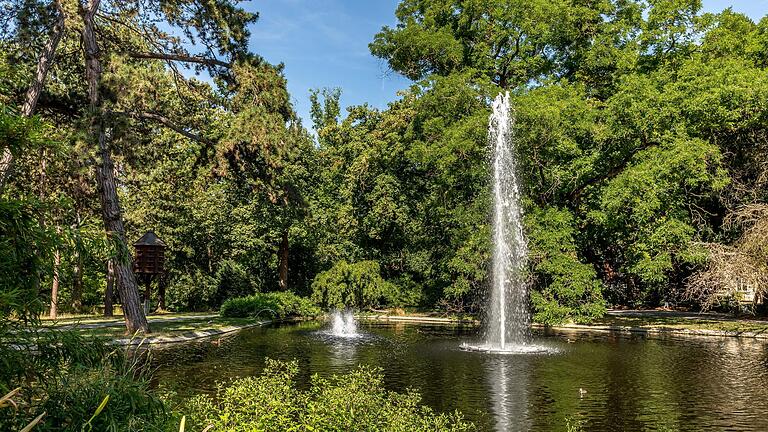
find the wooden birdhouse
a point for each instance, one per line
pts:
(150, 255)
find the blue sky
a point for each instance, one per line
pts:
(324, 43)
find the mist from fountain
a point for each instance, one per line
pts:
(508, 315)
(508, 318)
(343, 324)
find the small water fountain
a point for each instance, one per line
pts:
(343, 324)
(508, 319)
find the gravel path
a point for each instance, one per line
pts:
(120, 323)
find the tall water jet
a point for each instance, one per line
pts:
(343, 324)
(508, 315)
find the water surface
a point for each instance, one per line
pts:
(604, 382)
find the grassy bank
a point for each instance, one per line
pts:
(660, 320)
(177, 324)
(650, 320)
(162, 326)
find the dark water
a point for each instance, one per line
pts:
(630, 383)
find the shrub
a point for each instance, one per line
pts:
(191, 292)
(67, 376)
(566, 289)
(352, 402)
(280, 304)
(352, 285)
(232, 280)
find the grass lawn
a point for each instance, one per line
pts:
(181, 324)
(702, 322)
(173, 324)
(66, 319)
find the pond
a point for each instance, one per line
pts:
(602, 382)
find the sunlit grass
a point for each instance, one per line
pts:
(186, 323)
(685, 322)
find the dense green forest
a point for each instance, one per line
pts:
(641, 129)
(642, 135)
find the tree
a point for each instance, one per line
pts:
(110, 204)
(622, 139)
(44, 62)
(128, 30)
(510, 42)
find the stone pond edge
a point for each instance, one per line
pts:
(647, 331)
(186, 337)
(626, 330)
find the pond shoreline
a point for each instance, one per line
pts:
(187, 336)
(649, 326)
(650, 331)
(654, 331)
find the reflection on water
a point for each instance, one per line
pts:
(628, 383)
(498, 375)
(509, 393)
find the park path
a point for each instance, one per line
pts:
(660, 314)
(118, 322)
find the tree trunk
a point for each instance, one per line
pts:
(33, 93)
(209, 251)
(161, 292)
(135, 320)
(109, 291)
(284, 261)
(55, 285)
(148, 292)
(77, 282)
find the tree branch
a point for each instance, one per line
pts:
(170, 124)
(622, 164)
(180, 58)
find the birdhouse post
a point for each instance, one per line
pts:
(149, 262)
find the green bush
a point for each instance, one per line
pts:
(356, 285)
(279, 304)
(353, 402)
(565, 288)
(191, 292)
(67, 376)
(198, 290)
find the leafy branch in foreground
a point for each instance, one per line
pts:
(351, 402)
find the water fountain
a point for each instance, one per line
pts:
(508, 319)
(343, 324)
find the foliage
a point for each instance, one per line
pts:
(571, 290)
(278, 304)
(193, 291)
(508, 41)
(734, 270)
(60, 374)
(407, 188)
(639, 128)
(23, 253)
(67, 376)
(24, 245)
(632, 137)
(197, 291)
(351, 402)
(357, 285)
(20, 134)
